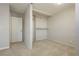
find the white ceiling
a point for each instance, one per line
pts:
(18, 7)
(50, 8)
(44, 8)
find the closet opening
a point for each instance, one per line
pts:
(16, 29)
(40, 28)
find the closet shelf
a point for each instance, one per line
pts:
(41, 28)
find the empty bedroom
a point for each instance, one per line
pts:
(37, 29)
(54, 28)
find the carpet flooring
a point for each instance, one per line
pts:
(40, 48)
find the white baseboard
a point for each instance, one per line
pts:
(41, 39)
(63, 43)
(4, 48)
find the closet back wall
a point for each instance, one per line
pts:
(40, 27)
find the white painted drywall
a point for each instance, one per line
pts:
(40, 27)
(61, 26)
(28, 27)
(15, 14)
(4, 26)
(77, 28)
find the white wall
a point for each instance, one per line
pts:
(28, 28)
(4, 26)
(77, 28)
(41, 21)
(61, 26)
(15, 14)
(40, 27)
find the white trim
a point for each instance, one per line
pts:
(4, 48)
(71, 45)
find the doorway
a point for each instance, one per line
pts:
(34, 29)
(16, 29)
(39, 28)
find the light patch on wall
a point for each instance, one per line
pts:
(59, 3)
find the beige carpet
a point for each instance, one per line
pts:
(40, 48)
